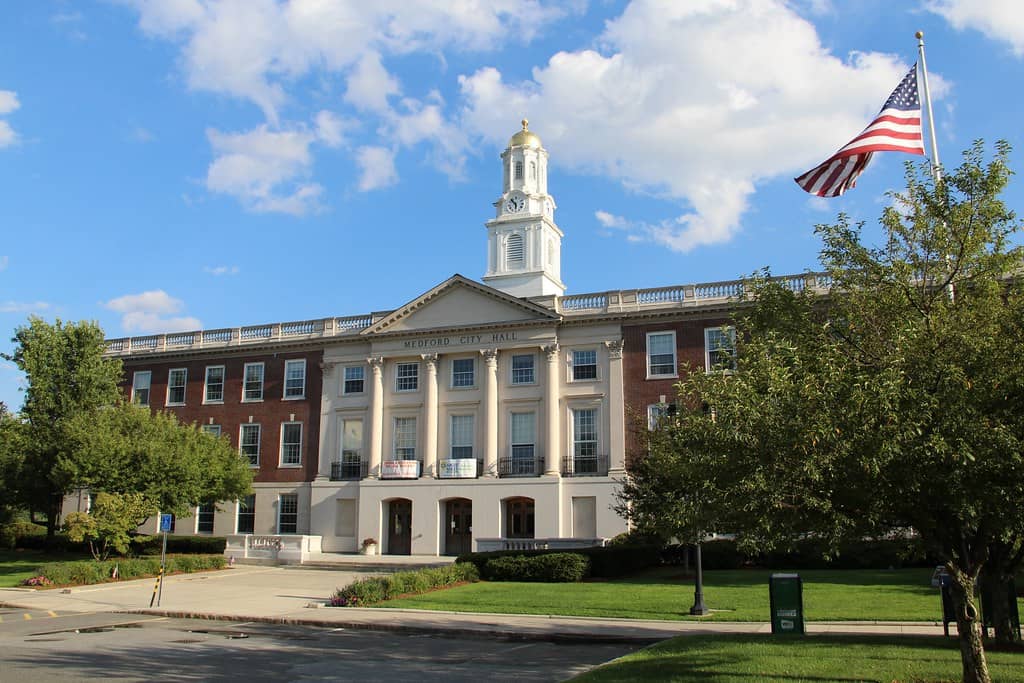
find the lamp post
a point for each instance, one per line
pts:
(699, 608)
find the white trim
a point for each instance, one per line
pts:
(451, 435)
(280, 509)
(344, 379)
(149, 384)
(280, 454)
(707, 345)
(184, 386)
(572, 365)
(512, 369)
(451, 374)
(675, 356)
(259, 439)
(238, 511)
(407, 391)
(284, 383)
(263, 379)
(206, 384)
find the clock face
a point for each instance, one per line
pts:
(515, 204)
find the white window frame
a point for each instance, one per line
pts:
(596, 427)
(533, 369)
(675, 359)
(708, 331)
(136, 376)
(242, 428)
(512, 434)
(213, 518)
(355, 454)
(414, 377)
(573, 365)
(284, 391)
(472, 373)
(281, 460)
(245, 381)
(212, 429)
(656, 411)
(251, 512)
(183, 386)
(414, 435)
(206, 384)
(345, 380)
(280, 512)
(513, 262)
(452, 434)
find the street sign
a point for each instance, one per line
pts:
(165, 522)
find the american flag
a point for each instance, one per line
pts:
(897, 128)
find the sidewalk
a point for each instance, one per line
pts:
(293, 595)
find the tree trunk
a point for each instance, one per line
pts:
(998, 587)
(968, 628)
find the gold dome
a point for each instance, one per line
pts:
(525, 138)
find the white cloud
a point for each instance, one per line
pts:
(370, 85)
(221, 270)
(331, 128)
(140, 134)
(23, 306)
(4, 262)
(151, 312)
(377, 166)
(8, 103)
(610, 220)
(267, 171)
(1000, 20)
(667, 105)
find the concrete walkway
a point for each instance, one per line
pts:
(297, 595)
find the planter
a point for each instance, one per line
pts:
(369, 549)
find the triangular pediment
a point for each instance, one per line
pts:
(459, 302)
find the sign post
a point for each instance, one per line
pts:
(165, 525)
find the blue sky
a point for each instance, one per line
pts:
(213, 163)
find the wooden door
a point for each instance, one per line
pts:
(400, 527)
(458, 527)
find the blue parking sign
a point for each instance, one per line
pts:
(165, 522)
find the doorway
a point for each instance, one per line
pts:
(400, 527)
(458, 526)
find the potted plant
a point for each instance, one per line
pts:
(369, 546)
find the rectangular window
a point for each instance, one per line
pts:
(522, 369)
(407, 377)
(355, 375)
(462, 436)
(523, 436)
(287, 513)
(253, 385)
(720, 348)
(245, 523)
(249, 443)
(212, 429)
(584, 433)
(176, 380)
(462, 372)
(519, 170)
(584, 365)
(140, 387)
(295, 378)
(661, 354)
(291, 443)
(214, 392)
(351, 450)
(204, 518)
(405, 438)
(658, 411)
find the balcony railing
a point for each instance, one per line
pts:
(349, 471)
(520, 467)
(585, 466)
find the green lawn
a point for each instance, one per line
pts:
(18, 565)
(742, 659)
(830, 595)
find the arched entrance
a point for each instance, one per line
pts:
(399, 526)
(519, 513)
(458, 526)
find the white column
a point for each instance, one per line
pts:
(327, 454)
(430, 417)
(553, 445)
(376, 415)
(616, 409)
(490, 412)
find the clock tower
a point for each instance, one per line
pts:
(524, 246)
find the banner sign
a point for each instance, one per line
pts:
(400, 469)
(462, 468)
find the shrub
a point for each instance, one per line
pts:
(13, 533)
(376, 589)
(91, 571)
(182, 545)
(605, 562)
(548, 568)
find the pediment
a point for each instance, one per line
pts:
(459, 302)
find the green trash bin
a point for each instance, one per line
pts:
(786, 594)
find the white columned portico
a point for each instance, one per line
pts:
(490, 412)
(376, 415)
(430, 417)
(551, 391)
(327, 454)
(617, 409)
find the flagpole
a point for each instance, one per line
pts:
(936, 168)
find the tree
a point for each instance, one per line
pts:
(129, 449)
(894, 402)
(10, 460)
(107, 526)
(67, 376)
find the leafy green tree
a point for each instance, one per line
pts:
(129, 449)
(893, 403)
(10, 461)
(67, 376)
(108, 525)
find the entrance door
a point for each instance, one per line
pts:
(400, 527)
(458, 525)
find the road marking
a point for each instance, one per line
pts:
(27, 616)
(51, 612)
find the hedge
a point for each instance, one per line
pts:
(376, 589)
(201, 545)
(810, 554)
(548, 568)
(91, 571)
(605, 562)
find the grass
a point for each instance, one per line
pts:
(18, 565)
(829, 595)
(745, 658)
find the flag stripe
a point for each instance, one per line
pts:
(896, 128)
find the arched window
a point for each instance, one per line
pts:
(519, 170)
(533, 170)
(551, 253)
(514, 251)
